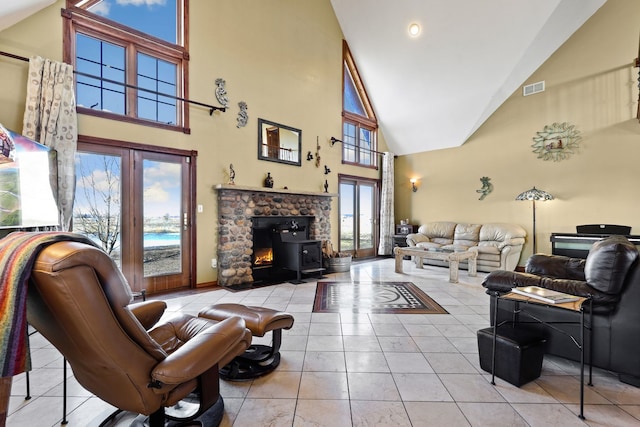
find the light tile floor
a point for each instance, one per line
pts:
(365, 370)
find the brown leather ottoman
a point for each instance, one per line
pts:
(258, 359)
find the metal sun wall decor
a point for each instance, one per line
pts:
(487, 187)
(243, 116)
(556, 142)
(221, 93)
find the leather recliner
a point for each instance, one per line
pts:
(80, 302)
(610, 275)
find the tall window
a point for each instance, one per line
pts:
(359, 123)
(128, 56)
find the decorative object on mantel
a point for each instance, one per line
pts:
(309, 156)
(243, 116)
(326, 186)
(327, 171)
(268, 181)
(487, 187)
(232, 175)
(556, 142)
(221, 93)
(317, 152)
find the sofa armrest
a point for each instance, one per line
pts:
(556, 266)
(503, 281)
(515, 241)
(414, 238)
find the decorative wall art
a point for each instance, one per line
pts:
(487, 187)
(232, 175)
(556, 142)
(221, 93)
(243, 116)
(318, 153)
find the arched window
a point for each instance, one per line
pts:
(359, 123)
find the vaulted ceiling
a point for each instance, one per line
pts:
(12, 11)
(435, 90)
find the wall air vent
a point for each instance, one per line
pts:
(533, 88)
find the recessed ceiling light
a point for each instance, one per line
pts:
(414, 29)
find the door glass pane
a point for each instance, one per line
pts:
(97, 208)
(366, 216)
(162, 213)
(347, 219)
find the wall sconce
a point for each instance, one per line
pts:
(334, 140)
(414, 187)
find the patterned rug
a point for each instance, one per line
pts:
(373, 297)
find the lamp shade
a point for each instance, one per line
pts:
(535, 195)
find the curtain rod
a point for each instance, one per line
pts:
(212, 108)
(334, 140)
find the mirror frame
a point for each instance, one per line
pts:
(261, 124)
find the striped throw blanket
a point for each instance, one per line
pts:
(18, 252)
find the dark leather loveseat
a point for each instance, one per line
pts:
(611, 276)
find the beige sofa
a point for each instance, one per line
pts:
(498, 245)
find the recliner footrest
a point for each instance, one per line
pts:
(258, 359)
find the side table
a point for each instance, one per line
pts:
(577, 306)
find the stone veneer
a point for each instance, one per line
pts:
(237, 205)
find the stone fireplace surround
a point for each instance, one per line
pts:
(237, 205)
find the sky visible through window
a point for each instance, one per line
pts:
(155, 17)
(107, 60)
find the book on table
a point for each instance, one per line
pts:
(546, 295)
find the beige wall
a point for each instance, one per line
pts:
(282, 57)
(590, 83)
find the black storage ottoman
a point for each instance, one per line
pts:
(519, 353)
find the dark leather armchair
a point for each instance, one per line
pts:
(611, 277)
(81, 303)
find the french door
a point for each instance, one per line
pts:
(137, 205)
(359, 212)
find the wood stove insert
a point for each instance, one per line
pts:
(282, 247)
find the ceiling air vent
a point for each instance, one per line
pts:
(533, 88)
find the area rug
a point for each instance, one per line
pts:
(373, 297)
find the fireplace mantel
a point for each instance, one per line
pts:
(271, 190)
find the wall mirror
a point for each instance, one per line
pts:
(279, 143)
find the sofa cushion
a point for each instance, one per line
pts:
(500, 235)
(466, 235)
(608, 262)
(439, 232)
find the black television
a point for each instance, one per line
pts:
(27, 169)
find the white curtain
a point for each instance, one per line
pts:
(387, 221)
(50, 118)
